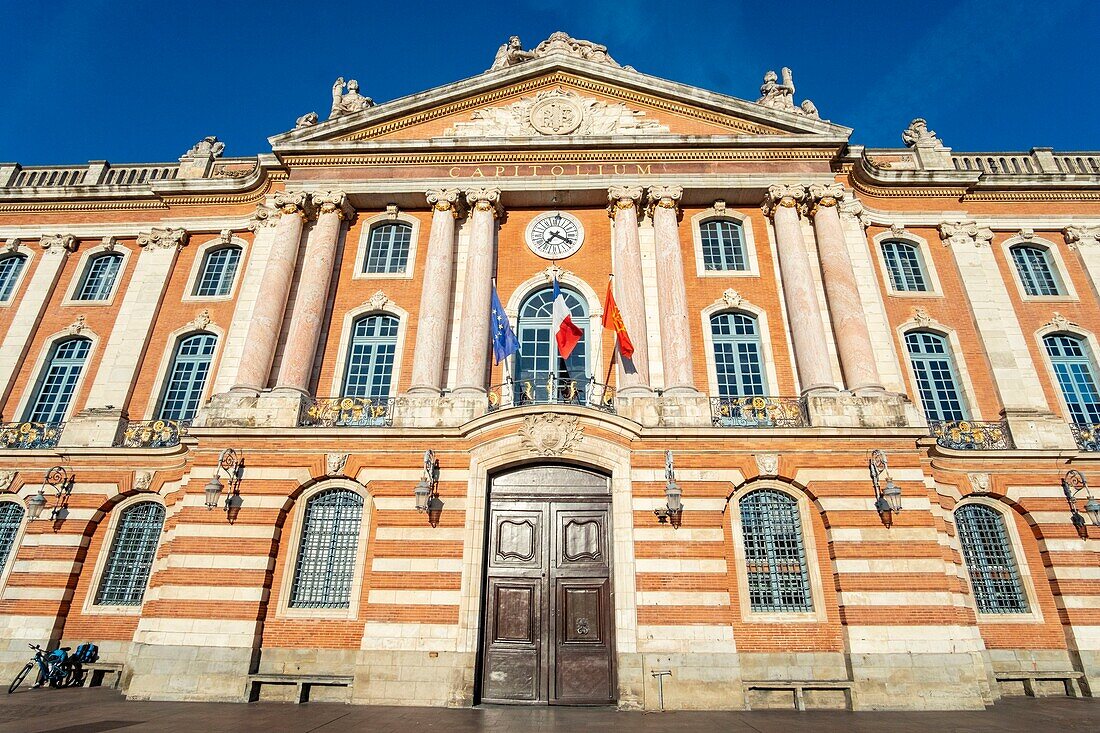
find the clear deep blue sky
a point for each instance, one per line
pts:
(142, 81)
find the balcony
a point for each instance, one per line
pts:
(971, 435)
(1087, 436)
(29, 435)
(580, 392)
(758, 412)
(348, 412)
(154, 433)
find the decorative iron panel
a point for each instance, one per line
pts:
(29, 435)
(358, 412)
(774, 552)
(1088, 436)
(325, 566)
(971, 435)
(758, 412)
(989, 560)
(154, 433)
(130, 560)
(552, 391)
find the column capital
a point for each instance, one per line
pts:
(965, 232)
(445, 199)
(825, 196)
(484, 199)
(783, 195)
(290, 202)
(58, 243)
(664, 197)
(332, 202)
(1077, 237)
(158, 238)
(623, 197)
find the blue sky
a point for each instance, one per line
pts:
(142, 81)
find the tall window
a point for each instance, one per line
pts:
(989, 560)
(723, 245)
(370, 356)
(11, 516)
(737, 355)
(1073, 365)
(10, 269)
(388, 248)
(187, 380)
(219, 267)
(903, 261)
(326, 555)
(935, 372)
(538, 351)
(133, 549)
(99, 277)
(776, 557)
(58, 381)
(1036, 272)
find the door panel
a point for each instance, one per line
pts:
(583, 652)
(513, 657)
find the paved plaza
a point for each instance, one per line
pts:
(98, 710)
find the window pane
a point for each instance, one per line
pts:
(131, 558)
(218, 270)
(723, 247)
(11, 516)
(370, 357)
(737, 355)
(388, 248)
(989, 560)
(935, 373)
(10, 268)
(1072, 362)
(99, 277)
(58, 381)
(904, 264)
(774, 553)
(187, 379)
(1033, 264)
(326, 558)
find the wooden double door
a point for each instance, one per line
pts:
(547, 628)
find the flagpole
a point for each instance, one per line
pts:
(615, 341)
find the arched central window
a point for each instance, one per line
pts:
(58, 381)
(11, 267)
(99, 277)
(774, 552)
(388, 248)
(935, 372)
(989, 560)
(219, 267)
(329, 543)
(187, 380)
(126, 572)
(538, 351)
(1036, 273)
(1072, 361)
(11, 516)
(371, 356)
(737, 355)
(903, 261)
(723, 245)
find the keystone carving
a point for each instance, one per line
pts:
(7, 478)
(767, 464)
(142, 480)
(1059, 322)
(979, 482)
(921, 317)
(78, 325)
(1081, 236)
(732, 298)
(58, 243)
(202, 319)
(378, 301)
(956, 234)
(334, 463)
(550, 435)
(159, 238)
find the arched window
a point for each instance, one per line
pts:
(99, 277)
(1072, 361)
(58, 381)
(219, 267)
(538, 350)
(903, 261)
(370, 356)
(10, 268)
(187, 379)
(1036, 273)
(774, 552)
(723, 245)
(11, 516)
(935, 371)
(737, 355)
(388, 248)
(126, 572)
(989, 560)
(326, 554)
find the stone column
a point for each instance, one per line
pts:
(676, 349)
(811, 351)
(629, 292)
(436, 299)
(309, 306)
(853, 339)
(473, 342)
(267, 317)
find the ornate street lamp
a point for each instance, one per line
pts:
(888, 497)
(1073, 483)
(61, 482)
(426, 491)
(672, 512)
(233, 464)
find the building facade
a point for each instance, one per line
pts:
(800, 308)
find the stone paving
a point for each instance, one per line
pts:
(99, 710)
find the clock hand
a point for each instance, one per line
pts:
(555, 234)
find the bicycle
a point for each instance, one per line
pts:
(56, 668)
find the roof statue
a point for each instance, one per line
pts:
(559, 43)
(780, 95)
(918, 134)
(349, 102)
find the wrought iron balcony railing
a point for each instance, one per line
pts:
(1087, 436)
(29, 435)
(971, 435)
(153, 433)
(358, 412)
(758, 412)
(552, 391)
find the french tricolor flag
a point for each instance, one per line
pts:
(566, 332)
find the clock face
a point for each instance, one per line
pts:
(555, 235)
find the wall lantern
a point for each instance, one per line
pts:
(427, 498)
(233, 464)
(888, 497)
(672, 512)
(1073, 483)
(58, 479)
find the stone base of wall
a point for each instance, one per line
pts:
(920, 681)
(208, 673)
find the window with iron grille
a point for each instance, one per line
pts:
(737, 360)
(1072, 361)
(10, 269)
(1036, 273)
(99, 277)
(388, 248)
(903, 261)
(219, 267)
(935, 371)
(187, 379)
(723, 245)
(326, 554)
(57, 381)
(11, 516)
(776, 557)
(126, 573)
(989, 560)
(538, 350)
(370, 356)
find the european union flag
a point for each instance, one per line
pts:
(505, 342)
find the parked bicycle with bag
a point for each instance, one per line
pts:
(57, 668)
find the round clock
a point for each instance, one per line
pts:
(554, 235)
